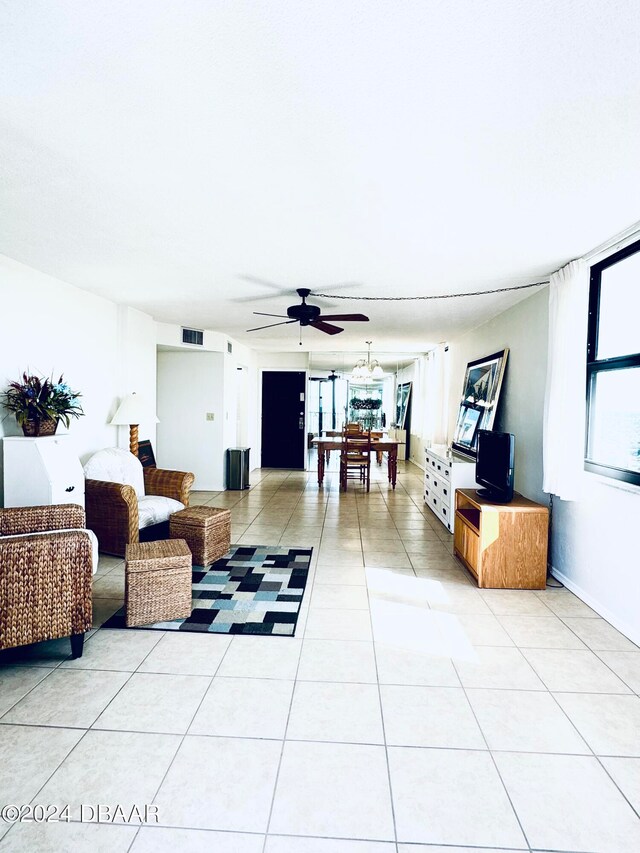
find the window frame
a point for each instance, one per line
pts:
(596, 366)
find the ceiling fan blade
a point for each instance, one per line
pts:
(271, 325)
(326, 327)
(262, 314)
(252, 279)
(345, 317)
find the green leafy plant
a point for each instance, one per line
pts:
(39, 399)
(365, 403)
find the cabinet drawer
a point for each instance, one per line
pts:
(437, 466)
(67, 493)
(442, 488)
(440, 509)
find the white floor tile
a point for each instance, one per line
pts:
(244, 707)
(251, 657)
(160, 839)
(115, 650)
(28, 756)
(338, 625)
(574, 671)
(626, 666)
(151, 702)
(444, 796)
(16, 682)
(625, 772)
(435, 634)
(337, 660)
(599, 635)
(568, 803)
(609, 724)
(111, 768)
(336, 712)
(429, 716)
(186, 654)
(220, 783)
(70, 838)
(524, 721)
(68, 698)
(540, 632)
(282, 844)
(500, 668)
(333, 790)
(339, 596)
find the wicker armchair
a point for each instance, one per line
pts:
(118, 511)
(45, 580)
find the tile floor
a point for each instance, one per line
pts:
(412, 712)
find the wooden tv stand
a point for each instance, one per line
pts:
(503, 545)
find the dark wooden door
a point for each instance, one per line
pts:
(283, 419)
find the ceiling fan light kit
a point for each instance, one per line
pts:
(310, 315)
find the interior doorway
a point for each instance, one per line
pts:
(283, 419)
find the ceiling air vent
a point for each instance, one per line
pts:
(192, 336)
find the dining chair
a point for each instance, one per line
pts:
(355, 459)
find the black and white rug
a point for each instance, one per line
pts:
(253, 589)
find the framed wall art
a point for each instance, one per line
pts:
(403, 392)
(480, 396)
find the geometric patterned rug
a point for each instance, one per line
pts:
(253, 589)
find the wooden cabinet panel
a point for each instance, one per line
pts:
(504, 545)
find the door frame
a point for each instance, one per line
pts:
(304, 370)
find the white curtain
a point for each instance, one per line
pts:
(565, 398)
(436, 397)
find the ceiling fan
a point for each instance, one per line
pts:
(309, 315)
(330, 378)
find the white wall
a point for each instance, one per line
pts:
(594, 552)
(104, 350)
(523, 329)
(592, 547)
(190, 384)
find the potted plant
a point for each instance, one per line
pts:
(39, 404)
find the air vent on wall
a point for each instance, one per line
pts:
(229, 347)
(192, 336)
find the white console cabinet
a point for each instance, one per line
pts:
(41, 472)
(445, 472)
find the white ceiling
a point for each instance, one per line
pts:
(163, 153)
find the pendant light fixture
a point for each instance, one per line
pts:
(366, 371)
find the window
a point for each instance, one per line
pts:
(613, 367)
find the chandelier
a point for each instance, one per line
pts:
(366, 370)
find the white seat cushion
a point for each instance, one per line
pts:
(114, 465)
(152, 509)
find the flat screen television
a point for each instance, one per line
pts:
(494, 465)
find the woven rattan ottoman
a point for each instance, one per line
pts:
(157, 582)
(206, 530)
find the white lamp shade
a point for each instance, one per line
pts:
(133, 410)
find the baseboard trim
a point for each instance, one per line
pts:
(630, 631)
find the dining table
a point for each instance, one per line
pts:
(326, 443)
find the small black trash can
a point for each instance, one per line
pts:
(238, 468)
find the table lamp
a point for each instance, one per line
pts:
(131, 412)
